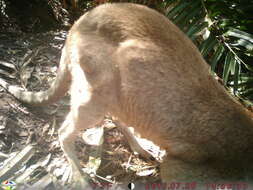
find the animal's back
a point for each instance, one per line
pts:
(164, 86)
(158, 82)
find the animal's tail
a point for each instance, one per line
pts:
(57, 90)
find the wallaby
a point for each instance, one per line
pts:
(131, 62)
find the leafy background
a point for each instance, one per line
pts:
(223, 32)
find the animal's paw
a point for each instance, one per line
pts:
(81, 184)
(78, 181)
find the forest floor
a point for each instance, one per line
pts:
(30, 154)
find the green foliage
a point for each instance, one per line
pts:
(222, 29)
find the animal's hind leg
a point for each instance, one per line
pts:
(91, 95)
(81, 116)
(67, 135)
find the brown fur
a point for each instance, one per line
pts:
(133, 63)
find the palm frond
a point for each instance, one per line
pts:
(223, 39)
